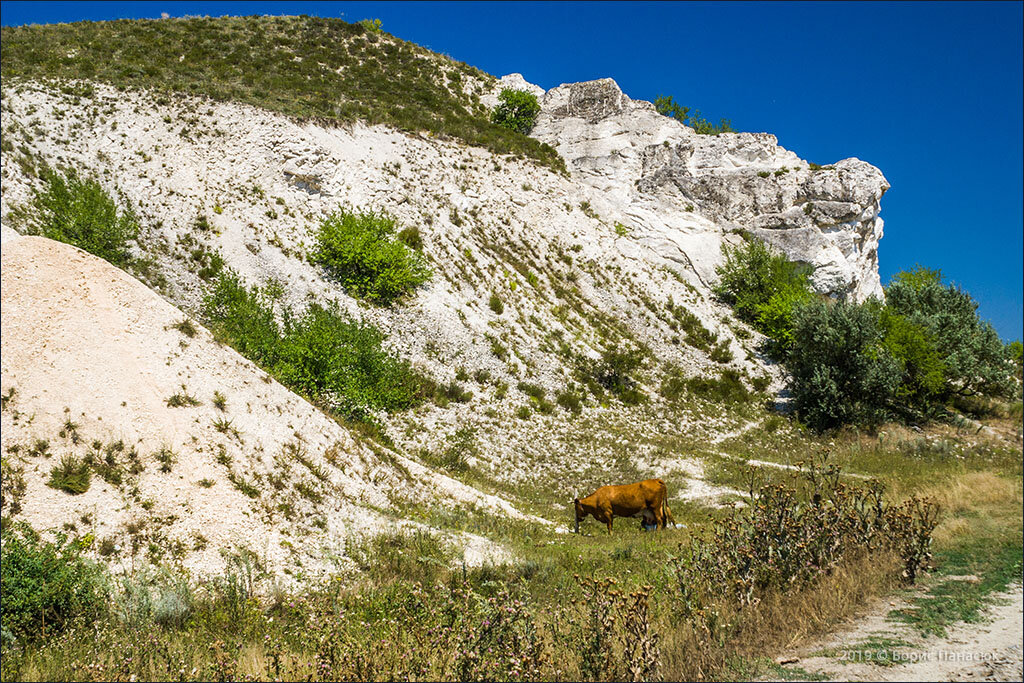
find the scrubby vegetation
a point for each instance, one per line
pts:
(307, 67)
(695, 605)
(338, 363)
(362, 252)
(764, 288)
(47, 585)
(909, 358)
(667, 106)
(72, 475)
(517, 110)
(77, 210)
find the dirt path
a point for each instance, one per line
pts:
(878, 649)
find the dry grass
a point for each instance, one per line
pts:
(780, 621)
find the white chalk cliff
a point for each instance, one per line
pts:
(683, 192)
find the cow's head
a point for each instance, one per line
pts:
(580, 513)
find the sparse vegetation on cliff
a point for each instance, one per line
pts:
(306, 67)
(336, 362)
(667, 106)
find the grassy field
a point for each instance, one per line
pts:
(587, 607)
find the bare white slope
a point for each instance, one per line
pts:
(575, 274)
(84, 342)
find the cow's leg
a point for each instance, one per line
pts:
(659, 518)
(608, 518)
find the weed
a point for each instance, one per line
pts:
(166, 457)
(186, 328)
(181, 399)
(220, 402)
(495, 304)
(72, 475)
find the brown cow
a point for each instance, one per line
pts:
(645, 498)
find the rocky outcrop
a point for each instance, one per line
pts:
(684, 193)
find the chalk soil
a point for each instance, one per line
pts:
(989, 650)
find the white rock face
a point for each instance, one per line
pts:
(683, 193)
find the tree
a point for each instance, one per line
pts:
(842, 371)
(976, 359)
(517, 110)
(923, 381)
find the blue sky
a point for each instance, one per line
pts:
(931, 93)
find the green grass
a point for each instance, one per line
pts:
(310, 68)
(996, 563)
(877, 649)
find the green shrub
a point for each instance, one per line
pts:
(570, 401)
(517, 110)
(495, 304)
(665, 105)
(616, 371)
(842, 371)
(371, 25)
(71, 475)
(80, 212)
(343, 364)
(360, 250)
(244, 318)
(976, 360)
(1016, 352)
(460, 446)
(697, 336)
(46, 585)
(331, 359)
(764, 288)
(411, 238)
(726, 388)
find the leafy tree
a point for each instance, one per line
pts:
(517, 110)
(764, 288)
(1016, 352)
(361, 251)
(80, 212)
(976, 360)
(923, 379)
(842, 370)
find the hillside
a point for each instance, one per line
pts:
(95, 360)
(538, 279)
(304, 362)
